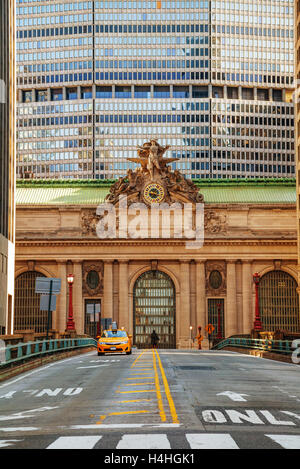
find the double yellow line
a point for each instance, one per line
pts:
(166, 389)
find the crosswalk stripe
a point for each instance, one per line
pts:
(286, 441)
(211, 441)
(75, 442)
(146, 441)
(158, 441)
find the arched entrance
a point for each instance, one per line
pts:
(27, 304)
(154, 307)
(278, 302)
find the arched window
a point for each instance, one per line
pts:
(279, 302)
(27, 304)
(154, 308)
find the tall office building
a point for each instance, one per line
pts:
(212, 79)
(297, 119)
(7, 161)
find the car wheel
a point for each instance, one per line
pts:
(129, 353)
(100, 353)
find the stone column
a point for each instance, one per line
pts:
(107, 307)
(200, 294)
(61, 315)
(231, 310)
(123, 320)
(185, 306)
(78, 309)
(247, 296)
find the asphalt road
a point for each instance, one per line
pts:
(164, 399)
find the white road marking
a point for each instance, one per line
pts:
(31, 391)
(238, 417)
(75, 442)
(8, 395)
(146, 441)
(19, 429)
(211, 441)
(292, 414)
(24, 376)
(106, 361)
(20, 415)
(49, 392)
(122, 425)
(157, 441)
(4, 443)
(213, 416)
(234, 396)
(92, 366)
(271, 419)
(286, 441)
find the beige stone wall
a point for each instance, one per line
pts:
(240, 240)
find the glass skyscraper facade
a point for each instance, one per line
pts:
(212, 79)
(7, 162)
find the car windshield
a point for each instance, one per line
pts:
(114, 334)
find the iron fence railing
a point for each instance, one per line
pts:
(13, 354)
(276, 346)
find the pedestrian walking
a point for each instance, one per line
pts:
(199, 338)
(154, 339)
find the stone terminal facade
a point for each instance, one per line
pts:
(146, 283)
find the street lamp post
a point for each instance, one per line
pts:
(70, 320)
(191, 342)
(257, 320)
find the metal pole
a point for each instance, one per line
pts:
(49, 308)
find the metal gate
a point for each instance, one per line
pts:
(92, 320)
(279, 302)
(27, 304)
(216, 316)
(154, 308)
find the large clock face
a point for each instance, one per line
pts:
(154, 193)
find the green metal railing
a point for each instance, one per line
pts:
(14, 354)
(276, 346)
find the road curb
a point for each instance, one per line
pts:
(262, 354)
(30, 364)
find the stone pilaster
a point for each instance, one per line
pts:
(123, 320)
(185, 304)
(107, 309)
(231, 309)
(247, 296)
(200, 294)
(61, 313)
(78, 310)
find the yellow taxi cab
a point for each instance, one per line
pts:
(114, 341)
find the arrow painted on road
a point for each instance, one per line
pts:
(20, 415)
(4, 443)
(234, 396)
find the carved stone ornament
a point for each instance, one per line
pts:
(214, 223)
(93, 268)
(154, 182)
(212, 268)
(89, 221)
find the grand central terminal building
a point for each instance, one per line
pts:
(147, 282)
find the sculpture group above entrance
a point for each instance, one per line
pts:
(154, 182)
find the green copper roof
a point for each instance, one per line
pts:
(215, 191)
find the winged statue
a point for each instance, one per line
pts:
(150, 156)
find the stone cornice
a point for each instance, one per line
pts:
(167, 242)
(225, 205)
